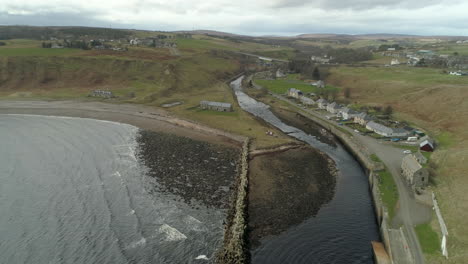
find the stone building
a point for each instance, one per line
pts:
(333, 108)
(413, 172)
(217, 106)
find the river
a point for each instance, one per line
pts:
(343, 229)
(74, 190)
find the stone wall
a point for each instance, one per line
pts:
(235, 248)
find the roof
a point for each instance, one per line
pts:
(419, 156)
(399, 130)
(379, 127)
(334, 105)
(364, 116)
(321, 100)
(348, 111)
(426, 142)
(411, 163)
(218, 104)
(294, 90)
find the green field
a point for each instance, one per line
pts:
(281, 86)
(5, 51)
(428, 238)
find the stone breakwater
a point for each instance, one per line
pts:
(235, 247)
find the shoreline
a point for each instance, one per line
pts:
(143, 117)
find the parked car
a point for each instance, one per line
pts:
(407, 151)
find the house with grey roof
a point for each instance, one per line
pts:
(217, 106)
(362, 119)
(333, 108)
(413, 172)
(348, 113)
(420, 157)
(306, 100)
(322, 103)
(386, 131)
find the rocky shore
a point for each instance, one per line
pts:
(190, 169)
(286, 188)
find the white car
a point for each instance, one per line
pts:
(407, 151)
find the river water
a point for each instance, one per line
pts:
(343, 229)
(74, 190)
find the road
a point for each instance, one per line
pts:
(409, 212)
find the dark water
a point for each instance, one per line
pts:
(74, 191)
(343, 229)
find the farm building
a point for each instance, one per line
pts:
(322, 103)
(318, 84)
(362, 119)
(101, 93)
(348, 113)
(333, 108)
(427, 145)
(217, 106)
(295, 93)
(413, 172)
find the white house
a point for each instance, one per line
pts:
(333, 108)
(348, 113)
(322, 103)
(386, 131)
(295, 93)
(395, 62)
(306, 100)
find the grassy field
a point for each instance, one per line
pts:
(141, 75)
(437, 103)
(428, 238)
(281, 86)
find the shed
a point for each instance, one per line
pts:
(217, 106)
(427, 145)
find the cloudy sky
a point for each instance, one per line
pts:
(250, 17)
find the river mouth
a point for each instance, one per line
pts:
(342, 229)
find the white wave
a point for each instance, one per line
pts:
(194, 224)
(171, 234)
(138, 243)
(204, 257)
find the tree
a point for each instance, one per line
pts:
(347, 92)
(388, 110)
(316, 74)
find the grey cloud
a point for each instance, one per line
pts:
(354, 4)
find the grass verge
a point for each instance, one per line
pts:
(388, 191)
(428, 238)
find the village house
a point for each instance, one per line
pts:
(333, 108)
(101, 93)
(386, 131)
(280, 73)
(362, 119)
(324, 60)
(306, 100)
(322, 103)
(457, 73)
(420, 157)
(318, 84)
(395, 62)
(295, 93)
(426, 144)
(348, 113)
(217, 106)
(414, 173)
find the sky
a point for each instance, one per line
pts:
(248, 17)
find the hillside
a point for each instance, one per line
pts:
(436, 102)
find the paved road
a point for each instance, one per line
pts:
(409, 211)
